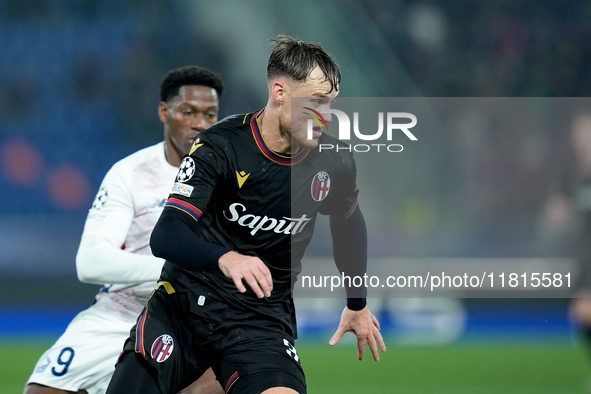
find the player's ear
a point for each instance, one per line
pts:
(278, 91)
(163, 111)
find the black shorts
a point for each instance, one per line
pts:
(181, 335)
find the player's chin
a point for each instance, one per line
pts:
(188, 143)
(185, 148)
(308, 144)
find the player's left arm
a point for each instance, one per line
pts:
(349, 238)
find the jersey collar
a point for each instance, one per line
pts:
(284, 159)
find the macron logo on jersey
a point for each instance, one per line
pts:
(242, 176)
(195, 146)
(237, 213)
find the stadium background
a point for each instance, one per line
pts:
(78, 91)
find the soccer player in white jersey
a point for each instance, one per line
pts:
(114, 250)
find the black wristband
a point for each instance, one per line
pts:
(356, 304)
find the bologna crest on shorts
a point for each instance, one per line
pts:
(320, 186)
(162, 348)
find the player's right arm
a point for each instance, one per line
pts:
(175, 239)
(100, 258)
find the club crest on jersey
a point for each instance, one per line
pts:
(320, 186)
(186, 169)
(162, 348)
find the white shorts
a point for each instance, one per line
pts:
(84, 356)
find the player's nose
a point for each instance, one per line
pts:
(325, 111)
(199, 123)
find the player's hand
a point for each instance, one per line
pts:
(249, 269)
(366, 328)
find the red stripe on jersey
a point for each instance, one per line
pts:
(271, 154)
(189, 209)
(231, 381)
(139, 334)
(350, 211)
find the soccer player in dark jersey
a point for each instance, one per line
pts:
(233, 232)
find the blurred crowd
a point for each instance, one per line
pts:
(78, 91)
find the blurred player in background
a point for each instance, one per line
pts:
(232, 228)
(580, 308)
(114, 247)
(567, 221)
